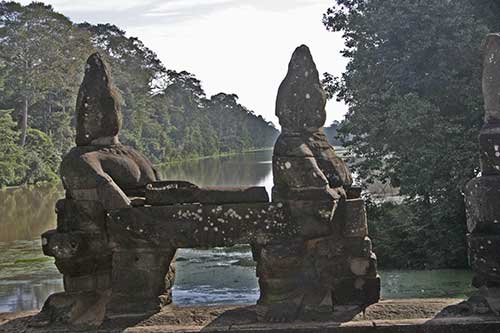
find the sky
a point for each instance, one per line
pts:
(232, 46)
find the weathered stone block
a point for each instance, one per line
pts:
(92, 282)
(297, 172)
(312, 219)
(85, 216)
(141, 273)
(482, 202)
(200, 225)
(355, 222)
(124, 304)
(491, 79)
(335, 246)
(79, 266)
(484, 255)
(489, 142)
(362, 266)
(307, 194)
(276, 290)
(174, 192)
(357, 291)
(72, 244)
(281, 260)
(331, 270)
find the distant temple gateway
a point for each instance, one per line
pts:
(119, 226)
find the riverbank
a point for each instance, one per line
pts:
(401, 316)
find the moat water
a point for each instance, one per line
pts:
(204, 277)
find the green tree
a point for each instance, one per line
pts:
(40, 157)
(489, 11)
(37, 48)
(415, 108)
(11, 155)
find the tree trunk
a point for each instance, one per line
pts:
(24, 123)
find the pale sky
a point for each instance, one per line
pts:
(232, 46)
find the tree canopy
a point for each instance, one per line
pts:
(166, 114)
(413, 87)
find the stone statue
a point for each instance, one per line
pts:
(310, 270)
(99, 175)
(482, 194)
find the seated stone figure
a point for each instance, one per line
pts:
(99, 175)
(313, 269)
(100, 164)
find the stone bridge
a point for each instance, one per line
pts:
(119, 226)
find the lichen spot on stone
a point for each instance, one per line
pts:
(496, 147)
(288, 165)
(279, 205)
(199, 211)
(308, 96)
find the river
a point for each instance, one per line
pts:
(204, 277)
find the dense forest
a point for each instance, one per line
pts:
(166, 113)
(413, 87)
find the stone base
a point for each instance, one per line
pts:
(401, 316)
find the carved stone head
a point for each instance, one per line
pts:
(98, 115)
(300, 105)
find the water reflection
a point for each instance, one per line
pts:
(26, 212)
(244, 169)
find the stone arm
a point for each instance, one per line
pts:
(85, 180)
